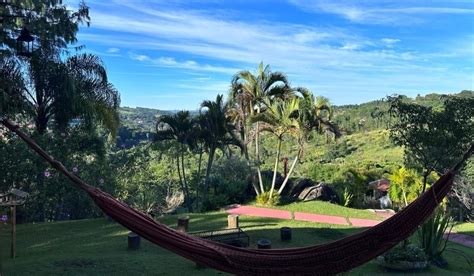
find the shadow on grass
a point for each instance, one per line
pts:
(93, 247)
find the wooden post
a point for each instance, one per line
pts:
(183, 224)
(233, 221)
(285, 233)
(13, 245)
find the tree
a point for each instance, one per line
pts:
(218, 131)
(179, 128)
(52, 90)
(279, 119)
(314, 114)
(53, 24)
(248, 93)
(432, 139)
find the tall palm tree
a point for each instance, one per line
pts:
(280, 119)
(178, 127)
(218, 131)
(53, 90)
(248, 93)
(314, 114)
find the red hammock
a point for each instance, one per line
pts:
(324, 259)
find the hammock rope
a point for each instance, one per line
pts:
(325, 259)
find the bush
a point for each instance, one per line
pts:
(214, 202)
(410, 253)
(229, 178)
(265, 200)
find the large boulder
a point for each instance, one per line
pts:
(300, 186)
(320, 191)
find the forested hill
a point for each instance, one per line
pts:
(138, 122)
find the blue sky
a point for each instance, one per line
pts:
(172, 54)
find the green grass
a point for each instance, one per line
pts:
(466, 228)
(98, 247)
(325, 208)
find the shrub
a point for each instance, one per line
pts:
(214, 202)
(265, 200)
(406, 252)
(347, 197)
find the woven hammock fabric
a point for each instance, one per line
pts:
(326, 259)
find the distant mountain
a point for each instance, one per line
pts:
(138, 123)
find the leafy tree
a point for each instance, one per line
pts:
(180, 129)
(432, 138)
(248, 93)
(218, 131)
(405, 186)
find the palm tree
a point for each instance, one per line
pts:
(248, 93)
(279, 119)
(218, 131)
(315, 114)
(50, 89)
(179, 128)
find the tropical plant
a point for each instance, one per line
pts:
(431, 235)
(347, 197)
(218, 131)
(280, 119)
(405, 186)
(248, 93)
(180, 129)
(314, 114)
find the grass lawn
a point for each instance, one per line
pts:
(466, 228)
(98, 247)
(321, 207)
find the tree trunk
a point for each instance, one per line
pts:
(185, 184)
(257, 157)
(275, 169)
(287, 177)
(208, 170)
(425, 177)
(198, 179)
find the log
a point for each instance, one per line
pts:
(233, 221)
(183, 224)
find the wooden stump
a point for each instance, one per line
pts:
(285, 233)
(133, 241)
(233, 221)
(264, 244)
(183, 224)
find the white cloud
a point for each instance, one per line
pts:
(323, 58)
(113, 50)
(385, 12)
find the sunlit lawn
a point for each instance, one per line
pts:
(99, 247)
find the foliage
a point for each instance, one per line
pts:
(230, 177)
(431, 235)
(433, 138)
(217, 131)
(405, 186)
(347, 197)
(264, 199)
(410, 253)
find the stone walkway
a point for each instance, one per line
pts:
(236, 209)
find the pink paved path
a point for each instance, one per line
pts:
(320, 218)
(281, 214)
(259, 212)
